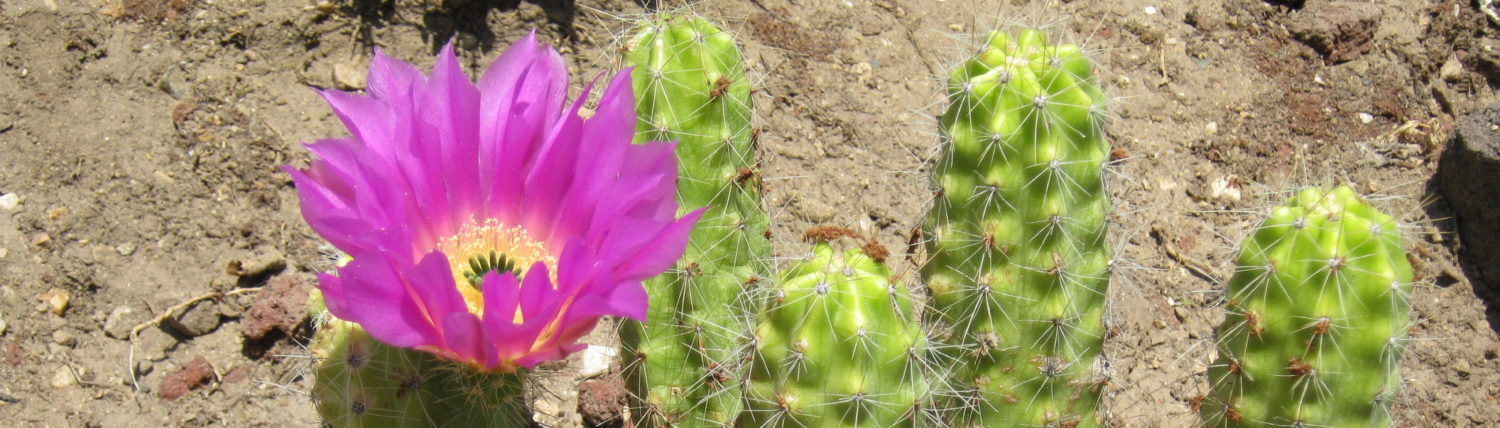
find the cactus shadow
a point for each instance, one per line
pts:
(466, 23)
(1446, 221)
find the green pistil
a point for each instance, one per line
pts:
(485, 263)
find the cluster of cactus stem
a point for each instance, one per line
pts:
(363, 383)
(838, 344)
(1018, 263)
(686, 364)
(1318, 312)
(1016, 274)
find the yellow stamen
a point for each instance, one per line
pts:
(478, 239)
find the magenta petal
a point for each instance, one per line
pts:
(629, 300)
(368, 119)
(462, 331)
(376, 297)
(455, 104)
(392, 80)
(662, 251)
(333, 295)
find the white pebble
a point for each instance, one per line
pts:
(1366, 117)
(1212, 128)
(1150, 10)
(10, 201)
(596, 360)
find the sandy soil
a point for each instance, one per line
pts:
(141, 139)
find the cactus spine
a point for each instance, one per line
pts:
(1317, 314)
(686, 363)
(1018, 264)
(838, 345)
(361, 382)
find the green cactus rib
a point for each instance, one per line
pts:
(839, 345)
(685, 365)
(1318, 311)
(361, 382)
(1018, 263)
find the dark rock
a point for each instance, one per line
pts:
(199, 319)
(1339, 30)
(195, 374)
(280, 306)
(1469, 173)
(602, 402)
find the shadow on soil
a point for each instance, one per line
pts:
(1446, 221)
(463, 21)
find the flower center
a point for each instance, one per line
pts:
(481, 247)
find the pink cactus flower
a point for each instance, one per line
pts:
(485, 224)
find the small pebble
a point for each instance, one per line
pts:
(125, 249)
(10, 201)
(1212, 128)
(63, 378)
(1452, 70)
(3, 326)
(119, 322)
(1366, 117)
(348, 76)
(1150, 10)
(56, 300)
(65, 337)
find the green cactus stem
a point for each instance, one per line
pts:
(363, 383)
(1018, 262)
(685, 365)
(1318, 311)
(839, 345)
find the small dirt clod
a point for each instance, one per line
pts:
(195, 374)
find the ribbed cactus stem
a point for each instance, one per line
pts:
(363, 383)
(1018, 262)
(1318, 312)
(686, 363)
(839, 345)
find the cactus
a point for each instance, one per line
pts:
(361, 382)
(1018, 264)
(685, 364)
(838, 345)
(1317, 314)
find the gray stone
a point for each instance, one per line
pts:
(199, 319)
(65, 337)
(154, 344)
(1469, 174)
(120, 321)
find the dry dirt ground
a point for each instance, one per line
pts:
(140, 140)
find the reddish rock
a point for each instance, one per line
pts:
(602, 402)
(187, 378)
(280, 306)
